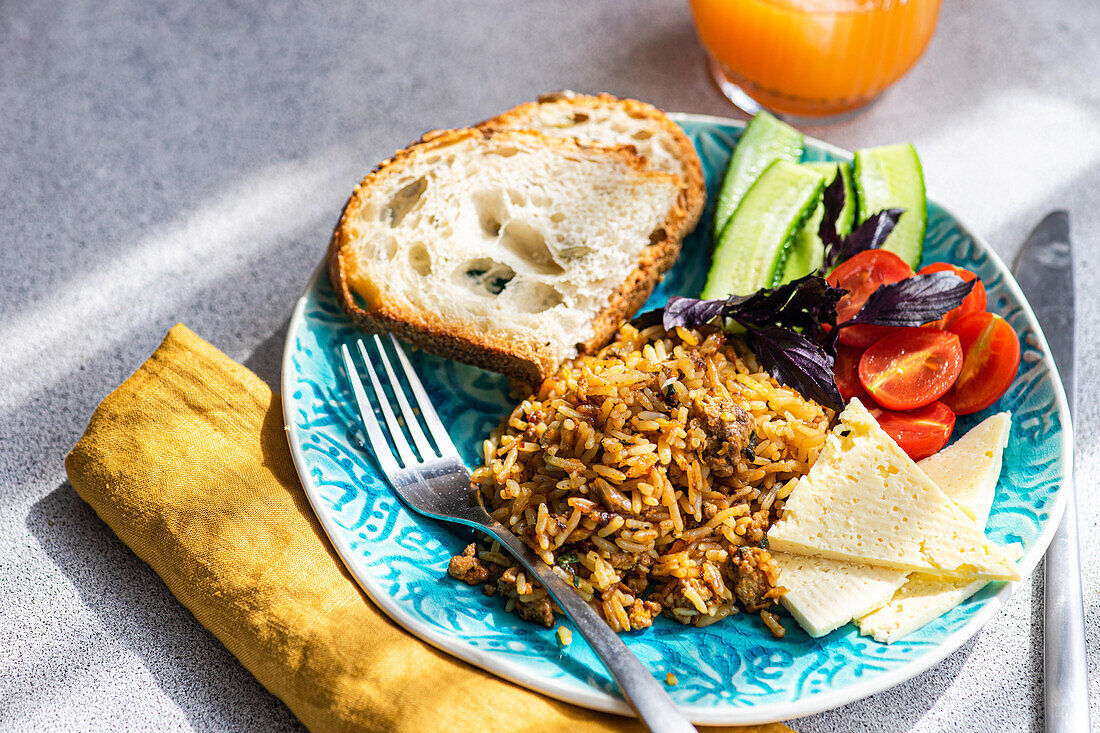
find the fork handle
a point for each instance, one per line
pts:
(644, 693)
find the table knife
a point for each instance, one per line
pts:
(1044, 270)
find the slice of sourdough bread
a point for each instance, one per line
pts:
(505, 249)
(609, 120)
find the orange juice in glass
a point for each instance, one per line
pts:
(811, 58)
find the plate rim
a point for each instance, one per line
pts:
(595, 699)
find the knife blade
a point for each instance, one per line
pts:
(1044, 270)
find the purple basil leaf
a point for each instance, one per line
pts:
(797, 362)
(871, 234)
(690, 312)
(914, 301)
(811, 306)
(803, 305)
(832, 202)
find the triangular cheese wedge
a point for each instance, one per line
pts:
(866, 501)
(923, 598)
(823, 595)
(968, 469)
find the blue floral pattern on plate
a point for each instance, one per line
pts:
(732, 672)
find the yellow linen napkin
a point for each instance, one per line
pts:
(188, 463)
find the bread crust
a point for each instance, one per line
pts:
(489, 350)
(694, 188)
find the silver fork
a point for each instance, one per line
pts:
(434, 481)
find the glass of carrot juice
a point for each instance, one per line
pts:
(811, 58)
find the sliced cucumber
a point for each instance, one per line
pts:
(764, 141)
(752, 250)
(891, 177)
(807, 250)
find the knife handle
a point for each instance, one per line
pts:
(1065, 688)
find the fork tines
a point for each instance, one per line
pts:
(440, 444)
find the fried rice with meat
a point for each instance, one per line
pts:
(647, 476)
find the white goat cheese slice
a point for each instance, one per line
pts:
(968, 469)
(866, 501)
(823, 594)
(923, 599)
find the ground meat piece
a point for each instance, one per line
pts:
(642, 612)
(723, 420)
(754, 575)
(722, 465)
(622, 560)
(636, 584)
(643, 564)
(467, 568)
(728, 427)
(534, 605)
(506, 583)
(540, 610)
(589, 409)
(495, 571)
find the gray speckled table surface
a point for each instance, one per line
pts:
(179, 161)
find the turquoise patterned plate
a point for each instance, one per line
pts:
(731, 672)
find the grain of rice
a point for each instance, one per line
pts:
(787, 489)
(603, 544)
(609, 473)
(635, 547)
(712, 618)
(773, 624)
(612, 527)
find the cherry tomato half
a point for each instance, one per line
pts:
(973, 303)
(861, 275)
(920, 432)
(846, 373)
(991, 356)
(911, 368)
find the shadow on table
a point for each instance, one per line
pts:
(266, 360)
(212, 689)
(666, 64)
